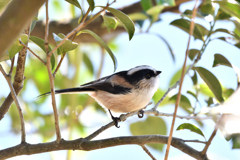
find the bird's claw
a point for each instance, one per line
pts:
(140, 113)
(115, 120)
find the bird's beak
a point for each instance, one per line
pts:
(158, 72)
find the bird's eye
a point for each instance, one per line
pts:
(148, 76)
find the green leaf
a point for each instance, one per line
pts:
(88, 62)
(75, 3)
(188, 13)
(206, 8)
(229, 8)
(152, 125)
(211, 81)
(16, 46)
(103, 44)
(184, 24)
(40, 42)
(68, 45)
(158, 94)
(52, 59)
(209, 101)
(226, 31)
(204, 89)
(221, 60)
(192, 53)
(124, 20)
(190, 127)
(146, 4)
(91, 4)
(138, 16)
(228, 92)
(192, 94)
(33, 23)
(155, 10)
(110, 22)
(194, 78)
(221, 15)
(184, 103)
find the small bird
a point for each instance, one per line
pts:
(124, 91)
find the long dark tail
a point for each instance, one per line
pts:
(68, 91)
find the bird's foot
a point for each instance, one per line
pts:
(115, 119)
(140, 113)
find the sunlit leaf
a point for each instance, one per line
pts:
(230, 8)
(91, 4)
(211, 81)
(138, 16)
(152, 125)
(68, 45)
(221, 60)
(228, 92)
(16, 46)
(190, 127)
(221, 15)
(192, 53)
(146, 4)
(157, 96)
(155, 10)
(110, 22)
(75, 3)
(124, 20)
(103, 44)
(184, 103)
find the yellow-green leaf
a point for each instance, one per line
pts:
(152, 125)
(16, 46)
(110, 22)
(190, 127)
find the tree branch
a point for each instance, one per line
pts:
(18, 79)
(65, 28)
(83, 144)
(12, 24)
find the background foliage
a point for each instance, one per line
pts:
(83, 62)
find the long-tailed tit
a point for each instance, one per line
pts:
(124, 91)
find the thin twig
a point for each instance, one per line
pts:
(59, 64)
(181, 81)
(62, 57)
(46, 28)
(80, 26)
(14, 96)
(148, 152)
(51, 79)
(12, 65)
(32, 52)
(195, 141)
(204, 151)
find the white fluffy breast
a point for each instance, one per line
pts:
(133, 101)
